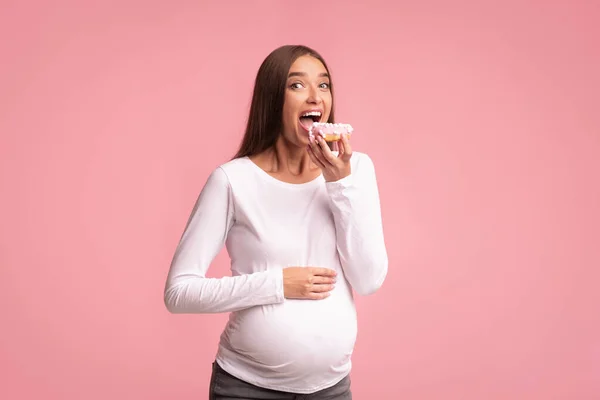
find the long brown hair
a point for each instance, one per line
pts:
(266, 110)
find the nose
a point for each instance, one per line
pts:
(314, 97)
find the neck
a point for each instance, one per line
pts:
(287, 158)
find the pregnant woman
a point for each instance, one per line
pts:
(302, 226)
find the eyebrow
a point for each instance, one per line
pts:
(324, 74)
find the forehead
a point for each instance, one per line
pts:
(308, 65)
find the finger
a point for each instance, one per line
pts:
(318, 296)
(325, 150)
(317, 148)
(322, 288)
(342, 145)
(345, 144)
(313, 157)
(323, 271)
(318, 153)
(323, 280)
(341, 149)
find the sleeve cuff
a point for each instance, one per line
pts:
(277, 276)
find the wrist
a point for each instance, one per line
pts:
(336, 177)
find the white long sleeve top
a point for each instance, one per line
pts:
(291, 345)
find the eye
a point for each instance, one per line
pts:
(324, 85)
(296, 85)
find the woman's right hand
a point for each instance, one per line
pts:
(311, 283)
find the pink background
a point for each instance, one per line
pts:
(483, 122)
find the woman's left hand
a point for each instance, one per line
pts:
(333, 167)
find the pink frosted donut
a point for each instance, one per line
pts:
(330, 132)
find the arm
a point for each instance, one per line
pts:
(187, 289)
(356, 210)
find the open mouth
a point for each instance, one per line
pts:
(307, 119)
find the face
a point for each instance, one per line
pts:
(307, 99)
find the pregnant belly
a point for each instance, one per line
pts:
(296, 336)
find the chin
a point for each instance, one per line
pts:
(297, 140)
(303, 138)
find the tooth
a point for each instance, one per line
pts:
(316, 113)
